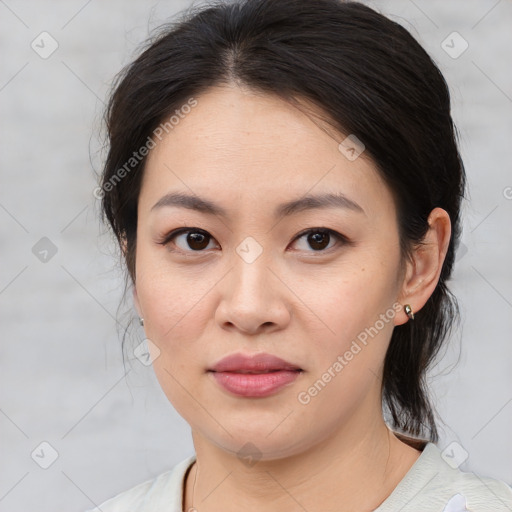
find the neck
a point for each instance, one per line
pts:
(354, 469)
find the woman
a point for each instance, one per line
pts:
(284, 181)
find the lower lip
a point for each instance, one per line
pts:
(255, 384)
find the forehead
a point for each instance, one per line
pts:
(238, 145)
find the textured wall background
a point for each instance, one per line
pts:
(63, 380)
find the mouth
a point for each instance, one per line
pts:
(252, 384)
(255, 372)
(253, 363)
(257, 375)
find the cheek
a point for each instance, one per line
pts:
(346, 362)
(175, 321)
(356, 313)
(176, 316)
(354, 296)
(172, 297)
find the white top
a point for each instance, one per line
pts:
(430, 485)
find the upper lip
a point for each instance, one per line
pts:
(255, 363)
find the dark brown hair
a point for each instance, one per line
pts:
(370, 77)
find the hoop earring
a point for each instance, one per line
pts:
(409, 312)
(141, 321)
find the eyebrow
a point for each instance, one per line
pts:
(308, 202)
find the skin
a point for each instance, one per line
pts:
(249, 152)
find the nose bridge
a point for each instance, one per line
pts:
(251, 272)
(252, 297)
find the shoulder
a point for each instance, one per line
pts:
(481, 493)
(435, 483)
(151, 495)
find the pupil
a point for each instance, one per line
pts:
(197, 241)
(316, 240)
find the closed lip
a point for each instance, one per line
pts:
(254, 363)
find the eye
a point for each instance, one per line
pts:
(197, 240)
(319, 238)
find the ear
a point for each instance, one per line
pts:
(424, 268)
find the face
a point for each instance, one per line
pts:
(305, 284)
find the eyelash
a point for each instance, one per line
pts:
(166, 240)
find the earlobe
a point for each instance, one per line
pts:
(424, 268)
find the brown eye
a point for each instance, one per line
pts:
(319, 238)
(188, 240)
(196, 240)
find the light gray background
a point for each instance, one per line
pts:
(62, 375)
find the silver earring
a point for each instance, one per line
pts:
(408, 311)
(141, 321)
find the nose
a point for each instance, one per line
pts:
(254, 299)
